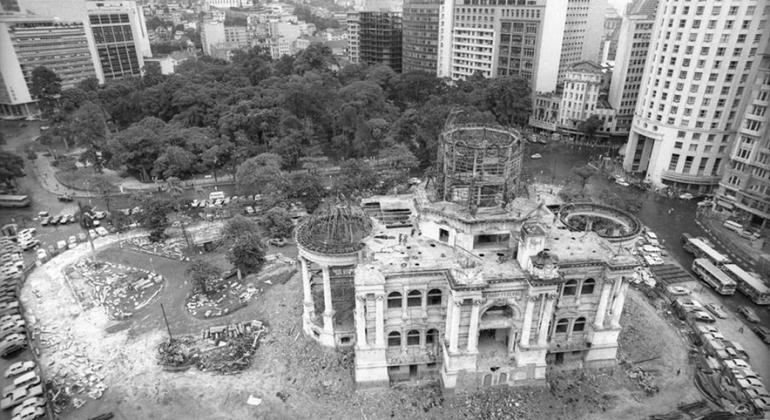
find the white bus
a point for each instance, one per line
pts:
(749, 285)
(699, 248)
(713, 276)
(7, 200)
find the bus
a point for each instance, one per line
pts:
(701, 249)
(714, 277)
(14, 200)
(749, 285)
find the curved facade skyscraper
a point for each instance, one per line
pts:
(697, 71)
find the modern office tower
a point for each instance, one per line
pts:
(633, 45)
(120, 35)
(27, 42)
(420, 39)
(212, 34)
(745, 186)
(502, 38)
(583, 30)
(610, 35)
(375, 38)
(696, 74)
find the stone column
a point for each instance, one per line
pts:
(545, 322)
(601, 310)
(328, 309)
(617, 305)
(454, 338)
(473, 329)
(360, 319)
(527, 324)
(379, 327)
(308, 296)
(404, 299)
(449, 310)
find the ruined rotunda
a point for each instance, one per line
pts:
(462, 280)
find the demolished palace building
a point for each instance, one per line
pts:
(462, 280)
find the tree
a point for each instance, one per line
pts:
(102, 186)
(45, 86)
(355, 176)
(202, 272)
(278, 222)
(584, 172)
(247, 253)
(307, 188)
(11, 167)
(508, 98)
(238, 226)
(590, 126)
(154, 216)
(261, 174)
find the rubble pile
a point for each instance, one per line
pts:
(644, 379)
(225, 349)
(228, 294)
(173, 248)
(119, 289)
(73, 375)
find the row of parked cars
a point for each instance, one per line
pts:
(24, 396)
(66, 218)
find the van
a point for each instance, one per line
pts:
(217, 195)
(734, 226)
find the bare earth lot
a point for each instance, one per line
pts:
(295, 378)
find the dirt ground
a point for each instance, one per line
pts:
(295, 378)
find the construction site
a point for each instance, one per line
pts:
(466, 297)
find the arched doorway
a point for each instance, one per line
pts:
(497, 333)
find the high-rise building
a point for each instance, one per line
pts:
(420, 39)
(375, 38)
(502, 38)
(745, 186)
(212, 34)
(631, 56)
(27, 42)
(583, 30)
(609, 42)
(120, 35)
(702, 54)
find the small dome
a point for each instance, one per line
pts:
(337, 229)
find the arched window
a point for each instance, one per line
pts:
(561, 325)
(394, 300)
(580, 325)
(570, 288)
(431, 337)
(414, 298)
(588, 287)
(434, 297)
(413, 338)
(394, 339)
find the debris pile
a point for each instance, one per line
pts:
(119, 289)
(173, 248)
(644, 379)
(73, 375)
(225, 349)
(228, 294)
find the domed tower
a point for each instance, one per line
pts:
(479, 166)
(329, 245)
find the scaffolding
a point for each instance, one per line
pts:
(481, 165)
(338, 229)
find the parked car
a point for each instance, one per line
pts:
(41, 254)
(762, 332)
(45, 221)
(279, 242)
(93, 234)
(34, 402)
(29, 413)
(102, 231)
(72, 242)
(61, 245)
(65, 197)
(10, 347)
(19, 367)
(703, 316)
(71, 218)
(42, 214)
(18, 396)
(749, 314)
(248, 210)
(717, 311)
(27, 380)
(99, 215)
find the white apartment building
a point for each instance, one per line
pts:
(697, 71)
(227, 4)
(497, 37)
(212, 34)
(631, 56)
(583, 30)
(745, 186)
(581, 98)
